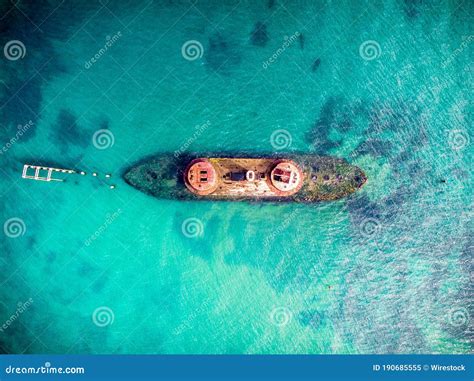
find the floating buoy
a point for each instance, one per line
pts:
(83, 173)
(108, 175)
(112, 187)
(94, 173)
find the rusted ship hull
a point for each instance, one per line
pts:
(297, 178)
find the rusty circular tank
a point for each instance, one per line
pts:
(286, 178)
(200, 177)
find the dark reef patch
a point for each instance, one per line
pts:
(397, 130)
(336, 115)
(36, 24)
(31, 243)
(396, 115)
(50, 257)
(85, 270)
(259, 36)
(362, 208)
(319, 134)
(466, 296)
(301, 40)
(403, 157)
(412, 8)
(373, 147)
(99, 284)
(468, 252)
(67, 132)
(19, 106)
(310, 318)
(104, 124)
(3, 350)
(385, 210)
(316, 64)
(222, 55)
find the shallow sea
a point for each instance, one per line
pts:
(89, 269)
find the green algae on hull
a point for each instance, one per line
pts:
(325, 178)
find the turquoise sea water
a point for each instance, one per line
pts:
(88, 269)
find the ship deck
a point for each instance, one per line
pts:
(257, 188)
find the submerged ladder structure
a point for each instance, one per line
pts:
(40, 173)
